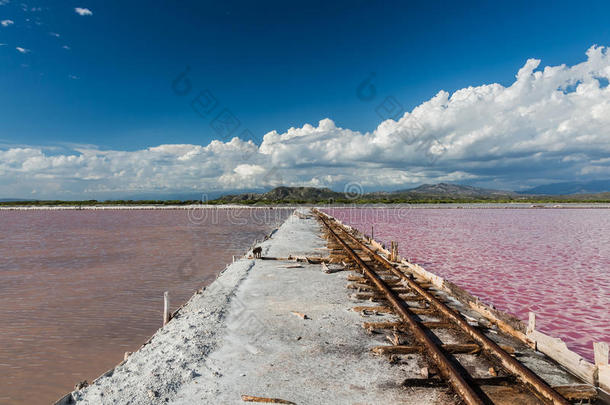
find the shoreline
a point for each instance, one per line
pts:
(491, 205)
(131, 207)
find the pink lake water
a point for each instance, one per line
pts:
(554, 262)
(79, 288)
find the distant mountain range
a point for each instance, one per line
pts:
(598, 190)
(457, 190)
(423, 192)
(442, 192)
(572, 187)
(286, 194)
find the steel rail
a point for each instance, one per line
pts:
(511, 364)
(445, 366)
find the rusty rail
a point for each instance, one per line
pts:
(489, 346)
(445, 366)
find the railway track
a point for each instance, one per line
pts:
(422, 315)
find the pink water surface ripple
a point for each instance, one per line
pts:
(554, 262)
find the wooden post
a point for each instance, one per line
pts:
(372, 232)
(531, 324)
(166, 313)
(393, 251)
(600, 350)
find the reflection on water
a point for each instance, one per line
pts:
(555, 262)
(79, 288)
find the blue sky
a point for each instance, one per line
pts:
(103, 78)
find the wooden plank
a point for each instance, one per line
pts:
(600, 350)
(392, 282)
(556, 349)
(580, 392)
(437, 382)
(462, 348)
(430, 277)
(377, 246)
(603, 375)
(509, 395)
(381, 325)
(387, 310)
(360, 286)
(400, 349)
(531, 324)
(503, 326)
(367, 287)
(373, 297)
(378, 295)
(251, 398)
(438, 325)
(392, 325)
(405, 349)
(423, 311)
(378, 309)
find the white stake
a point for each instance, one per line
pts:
(531, 325)
(600, 350)
(166, 314)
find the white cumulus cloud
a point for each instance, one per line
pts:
(6, 23)
(22, 50)
(83, 11)
(551, 124)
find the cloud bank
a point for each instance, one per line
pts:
(551, 124)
